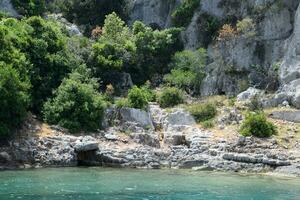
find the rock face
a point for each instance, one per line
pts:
(241, 61)
(139, 117)
(290, 68)
(6, 6)
(156, 13)
(291, 116)
(249, 93)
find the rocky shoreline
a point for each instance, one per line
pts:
(155, 139)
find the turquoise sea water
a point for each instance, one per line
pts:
(127, 184)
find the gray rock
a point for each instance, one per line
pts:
(249, 93)
(7, 7)
(146, 139)
(71, 28)
(5, 157)
(245, 158)
(86, 146)
(111, 137)
(291, 116)
(140, 117)
(188, 164)
(178, 118)
(174, 138)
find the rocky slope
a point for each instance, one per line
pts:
(158, 139)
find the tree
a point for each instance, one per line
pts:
(30, 7)
(77, 105)
(187, 70)
(14, 99)
(154, 50)
(49, 57)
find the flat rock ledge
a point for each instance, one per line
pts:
(202, 153)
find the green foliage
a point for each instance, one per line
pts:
(150, 94)
(256, 124)
(37, 49)
(49, 57)
(184, 12)
(187, 69)
(122, 103)
(14, 99)
(208, 124)
(154, 50)
(246, 27)
(30, 7)
(170, 96)
(203, 112)
(210, 25)
(89, 13)
(137, 98)
(142, 52)
(114, 50)
(77, 104)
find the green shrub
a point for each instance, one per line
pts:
(122, 103)
(246, 27)
(137, 98)
(170, 96)
(14, 99)
(203, 112)
(77, 105)
(208, 124)
(256, 124)
(187, 69)
(30, 7)
(150, 94)
(184, 12)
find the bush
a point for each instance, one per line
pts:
(77, 105)
(203, 112)
(170, 96)
(150, 94)
(227, 32)
(30, 7)
(122, 103)
(187, 69)
(256, 124)
(246, 27)
(137, 98)
(184, 13)
(208, 124)
(14, 99)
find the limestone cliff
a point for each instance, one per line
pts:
(6, 6)
(241, 61)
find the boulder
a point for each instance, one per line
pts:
(291, 116)
(141, 118)
(86, 144)
(146, 139)
(178, 118)
(249, 93)
(174, 138)
(4, 157)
